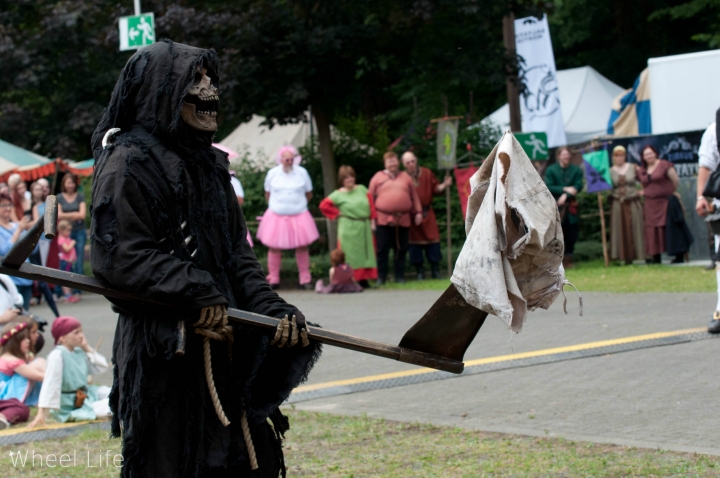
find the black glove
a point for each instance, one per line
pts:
(289, 330)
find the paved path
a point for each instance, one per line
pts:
(658, 397)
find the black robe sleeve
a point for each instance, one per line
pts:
(126, 253)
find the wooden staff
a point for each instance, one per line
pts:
(447, 231)
(602, 229)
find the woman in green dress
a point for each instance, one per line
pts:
(355, 211)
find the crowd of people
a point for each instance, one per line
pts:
(646, 213)
(394, 213)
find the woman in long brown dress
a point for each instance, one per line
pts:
(659, 180)
(627, 238)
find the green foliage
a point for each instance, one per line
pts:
(703, 13)
(616, 38)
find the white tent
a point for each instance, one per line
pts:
(263, 142)
(586, 98)
(683, 92)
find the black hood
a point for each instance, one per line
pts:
(151, 89)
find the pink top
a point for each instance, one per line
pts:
(8, 366)
(66, 256)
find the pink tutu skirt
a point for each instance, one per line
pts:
(287, 232)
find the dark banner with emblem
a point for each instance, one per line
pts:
(681, 149)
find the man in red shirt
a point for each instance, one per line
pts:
(397, 205)
(425, 236)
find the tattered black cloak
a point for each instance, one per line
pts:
(156, 174)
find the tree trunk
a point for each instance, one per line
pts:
(327, 161)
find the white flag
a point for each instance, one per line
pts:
(540, 102)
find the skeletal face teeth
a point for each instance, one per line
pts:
(208, 113)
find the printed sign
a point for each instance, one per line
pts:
(540, 98)
(447, 132)
(136, 31)
(534, 144)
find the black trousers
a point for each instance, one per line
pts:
(395, 238)
(570, 233)
(432, 252)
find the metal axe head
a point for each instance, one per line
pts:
(447, 329)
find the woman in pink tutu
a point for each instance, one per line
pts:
(287, 223)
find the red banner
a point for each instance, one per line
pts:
(462, 179)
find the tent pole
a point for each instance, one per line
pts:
(55, 176)
(602, 230)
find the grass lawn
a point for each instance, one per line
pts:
(594, 276)
(323, 445)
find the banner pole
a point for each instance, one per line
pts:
(602, 229)
(447, 230)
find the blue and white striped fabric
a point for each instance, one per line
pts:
(630, 114)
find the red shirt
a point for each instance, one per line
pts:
(395, 198)
(427, 232)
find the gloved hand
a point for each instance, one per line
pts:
(289, 330)
(213, 316)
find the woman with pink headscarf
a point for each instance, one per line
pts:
(287, 223)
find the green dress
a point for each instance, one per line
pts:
(354, 231)
(75, 377)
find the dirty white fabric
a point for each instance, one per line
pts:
(512, 257)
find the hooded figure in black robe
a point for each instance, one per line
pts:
(167, 227)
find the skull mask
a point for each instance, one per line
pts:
(200, 105)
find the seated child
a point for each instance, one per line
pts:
(341, 276)
(66, 393)
(20, 372)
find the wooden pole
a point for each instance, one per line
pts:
(447, 231)
(602, 229)
(511, 79)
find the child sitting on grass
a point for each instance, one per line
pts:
(341, 276)
(68, 255)
(20, 372)
(66, 393)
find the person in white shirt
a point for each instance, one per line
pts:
(11, 301)
(287, 223)
(709, 160)
(66, 393)
(237, 187)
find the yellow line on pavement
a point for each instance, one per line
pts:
(500, 358)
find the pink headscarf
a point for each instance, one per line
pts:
(283, 150)
(64, 325)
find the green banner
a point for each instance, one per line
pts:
(534, 144)
(447, 132)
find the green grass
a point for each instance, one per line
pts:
(324, 445)
(593, 276)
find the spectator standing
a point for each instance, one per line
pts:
(10, 232)
(287, 223)
(709, 161)
(627, 235)
(71, 207)
(352, 204)
(659, 181)
(565, 181)
(21, 198)
(425, 236)
(397, 205)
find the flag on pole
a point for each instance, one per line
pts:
(462, 179)
(447, 132)
(597, 171)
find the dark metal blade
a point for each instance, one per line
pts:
(447, 329)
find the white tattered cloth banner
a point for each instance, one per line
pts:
(512, 257)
